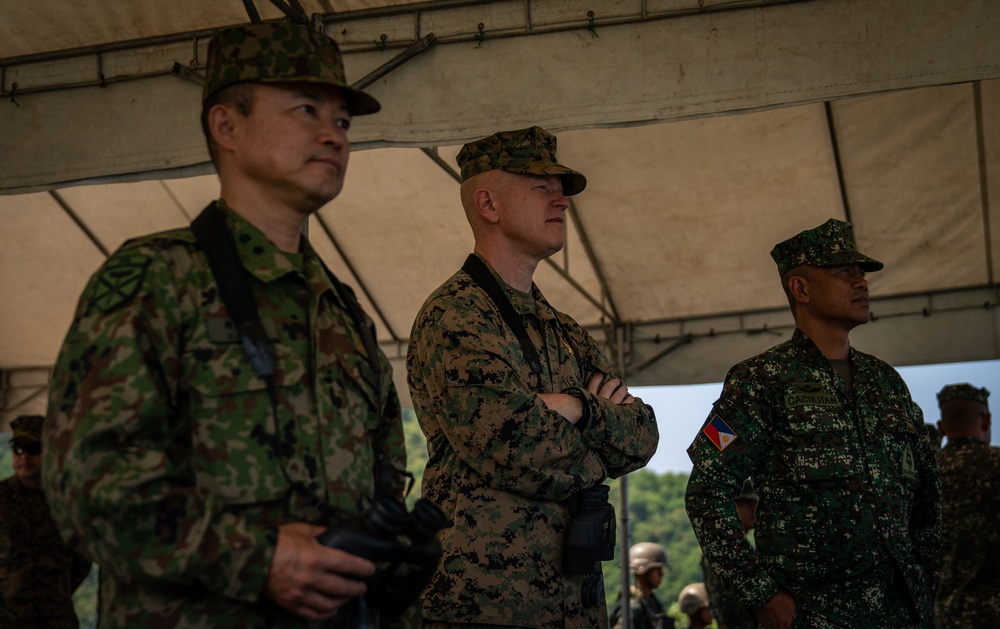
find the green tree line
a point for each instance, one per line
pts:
(656, 514)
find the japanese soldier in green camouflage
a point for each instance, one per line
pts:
(521, 408)
(198, 485)
(969, 595)
(848, 524)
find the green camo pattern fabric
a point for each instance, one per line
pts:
(501, 464)
(964, 392)
(830, 243)
(273, 52)
(37, 572)
(969, 595)
(847, 482)
(158, 458)
(530, 151)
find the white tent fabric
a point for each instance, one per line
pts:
(883, 113)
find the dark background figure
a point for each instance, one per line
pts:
(728, 611)
(646, 561)
(693, 601)
(848, 525)
(38, 573)
(969, 594)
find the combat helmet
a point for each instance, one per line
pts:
(646, 555)
(692, 598)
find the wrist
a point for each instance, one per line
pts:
(581, 395)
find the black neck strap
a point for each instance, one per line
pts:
(481, 275)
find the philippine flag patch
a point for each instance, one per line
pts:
(719, 433)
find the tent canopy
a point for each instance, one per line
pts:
(708, 131)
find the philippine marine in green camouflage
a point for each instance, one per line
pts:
(166, 459)
(505, 456)
(969, 595)
(848, 523)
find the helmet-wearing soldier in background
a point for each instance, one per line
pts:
(38, 573)
(646, 561)
(693, 601)
(728, 611)
(197, 479)
(523, 413)
(969, 594)
(848, 524)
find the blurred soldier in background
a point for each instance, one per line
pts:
(38, 573)
(646, 561)
(969, 594)
(693, 601)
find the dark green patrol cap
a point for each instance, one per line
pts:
(529, 151)
(963, 391)
(27, 428)
(279, 52)
(830, 243)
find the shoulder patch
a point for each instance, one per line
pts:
(118, 282)
(719, 433)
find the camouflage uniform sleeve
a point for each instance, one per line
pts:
(489, 414)
(625, 435)
(116, 466)
(720, 464)
(925, 519)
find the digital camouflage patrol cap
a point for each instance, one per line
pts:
(529, 151)
(963, 391)
(279, 52)
(27, 428)
(830, 243)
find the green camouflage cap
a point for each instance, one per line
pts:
(529, 151)
(275, 52)
(27, 428)
(963, 391)
(830, 243)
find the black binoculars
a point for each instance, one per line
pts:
(403, 545)
(590, 538)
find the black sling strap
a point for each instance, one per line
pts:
(481, 275)
(217, 241)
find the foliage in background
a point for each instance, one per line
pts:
(656, 514)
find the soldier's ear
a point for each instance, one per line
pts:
(485, 203)
(798, 288)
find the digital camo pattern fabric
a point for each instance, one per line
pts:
(501, 465)
(969, 595)
(645, 612)
(160, 446)
(849, 489)
(726, 608)
(38, 573)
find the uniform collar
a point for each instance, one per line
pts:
(260, 256)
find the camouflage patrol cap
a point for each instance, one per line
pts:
(27, 428)
(830, 243)
(529, 151)
(963, 391)
(277, 52)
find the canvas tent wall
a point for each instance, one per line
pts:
(708, 131)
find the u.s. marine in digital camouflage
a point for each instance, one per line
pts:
(166, 459)
(508, 448)
(848, 523)
(969, 595)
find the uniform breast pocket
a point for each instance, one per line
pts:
(233, 430)
(820, 447)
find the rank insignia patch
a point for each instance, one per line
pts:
(118, 282)
(719, 433)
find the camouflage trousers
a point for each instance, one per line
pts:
(435, 624)
(878, 598)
